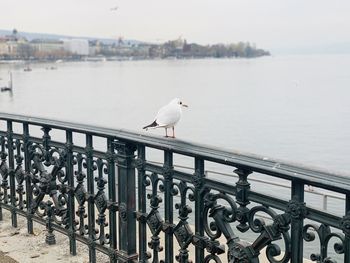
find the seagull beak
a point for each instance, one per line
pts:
(184, 105)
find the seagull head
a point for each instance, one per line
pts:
(179, 102)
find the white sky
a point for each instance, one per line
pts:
(268, 23)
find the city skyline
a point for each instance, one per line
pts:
(270, 24)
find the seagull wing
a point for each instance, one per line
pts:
(168, 115)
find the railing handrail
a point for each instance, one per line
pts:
(314, 176)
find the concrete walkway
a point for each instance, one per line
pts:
(6, 259)
(16, 245)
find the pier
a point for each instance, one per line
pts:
(123, 194)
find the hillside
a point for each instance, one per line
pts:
(30, 36)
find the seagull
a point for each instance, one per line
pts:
(168, 116)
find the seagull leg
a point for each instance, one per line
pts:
(166, 132)
(173, 132)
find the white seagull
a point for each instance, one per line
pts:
(168, 116)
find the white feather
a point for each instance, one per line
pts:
(169, 115)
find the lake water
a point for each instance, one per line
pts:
(294, 108)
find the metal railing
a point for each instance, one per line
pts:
(308, 188)
(119, 202)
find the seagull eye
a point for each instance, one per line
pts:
(180, 102)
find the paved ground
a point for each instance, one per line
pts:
(6, 259)
(16, 245)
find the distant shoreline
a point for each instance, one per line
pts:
(93, 59)
(17, 46)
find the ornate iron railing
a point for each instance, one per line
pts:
(119, 203)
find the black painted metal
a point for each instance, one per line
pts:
(198, 178)
(97, 198)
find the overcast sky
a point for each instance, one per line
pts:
(268, 23)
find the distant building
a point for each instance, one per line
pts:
(156, 51)
(3, 47)
(9, 44)
(94, 47)
(47, 45)
(76, 46)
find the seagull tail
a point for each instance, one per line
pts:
(153, 124)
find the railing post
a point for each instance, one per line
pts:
(126, 201)
(2, 159)
(112, 193)
(142, 202)
(243, 187)
(198, 179)
(168, 206)
(46, 140)
(4, 173)
(71, 201)
(29, 196)
(91, 194)
(11, 172)
(297, 210)
(50, 238)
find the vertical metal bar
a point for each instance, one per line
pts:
(46, 140)
(112, 196)
(20, 178)
(29, 195)
(199, 205)
(4, 167)
(49, 209)
(168, 206)
(91, 206)
(297, 223)
(11, 172)
(141, 155)
(50, 236)
(242, 198)
(325, 197)
(127, 200)
(2, 156)
(71, 206)
(347, 233)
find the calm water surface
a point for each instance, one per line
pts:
(295, 108)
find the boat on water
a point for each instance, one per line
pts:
(27, 68)
(9, 87)
(51, 68)
(96, 59)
